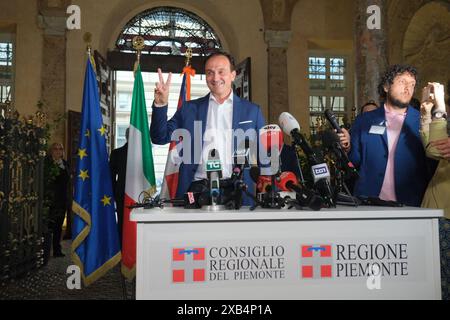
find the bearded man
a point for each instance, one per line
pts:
(385, 146)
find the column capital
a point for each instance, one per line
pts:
(52, 26)
(277, 38)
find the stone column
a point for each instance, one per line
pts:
(277, 23)
(370, 49)
(277, 42)
(52, 19)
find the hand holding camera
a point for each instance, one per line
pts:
(439, 98)
(433, 96)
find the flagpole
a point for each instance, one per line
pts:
(188, 55)
(87, 40)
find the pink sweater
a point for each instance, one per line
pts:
(394, 123)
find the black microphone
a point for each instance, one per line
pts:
(288, 181)
(332, 120)
(330, 140)
(319, 168)
(241, 156)
(254, 173)
(197, 196)
(234, 187)
(214, 173)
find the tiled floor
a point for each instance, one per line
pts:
(50, 283)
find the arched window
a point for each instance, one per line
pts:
(169, 31)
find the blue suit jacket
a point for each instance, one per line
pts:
(369, 153)
(246, 115)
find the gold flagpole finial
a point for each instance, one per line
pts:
(188, 56)
(138, 45)
(88, 39)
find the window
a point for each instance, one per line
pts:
(6, 67)
(120, 135)
(125, 80)
(328, 86)
(169, 31)
(124, 101)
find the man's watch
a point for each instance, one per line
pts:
(439, 115)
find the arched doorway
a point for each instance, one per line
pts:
(168, 32)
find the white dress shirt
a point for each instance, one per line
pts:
(218, 135)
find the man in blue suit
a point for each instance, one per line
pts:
(385, 143)
(209, 121)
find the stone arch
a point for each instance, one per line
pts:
(399, 18)
(118, 20)
(426, 43)
(169, 30)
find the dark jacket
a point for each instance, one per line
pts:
(246, 115)
(56, 182)
(369, 153)
(118, 167)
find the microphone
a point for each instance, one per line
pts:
(288, 182)
(291, 127)
(233, 187)
(319, 168)
(254, 173)
(263, 182)
(271, 135)
(214, 173)
(330, 141)
(271, 140)
(332, 120)
(194, 200)
(241, 155)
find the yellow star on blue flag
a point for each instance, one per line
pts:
(83, 174)
(102, 131)
(106, 200)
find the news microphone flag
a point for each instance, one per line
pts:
(95, 244)
(140, 174)
(170, 182)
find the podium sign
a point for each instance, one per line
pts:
(344, 253)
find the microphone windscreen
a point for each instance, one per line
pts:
(315, 202)
(284, 179)
(264, 184)
(213, 154)
(288, 123)
(271, 135)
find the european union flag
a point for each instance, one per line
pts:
(95, 245)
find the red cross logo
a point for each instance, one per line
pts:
(316, 261)
(188, 265)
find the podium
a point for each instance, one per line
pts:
(339, 253)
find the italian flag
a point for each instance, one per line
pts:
(140, 175)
